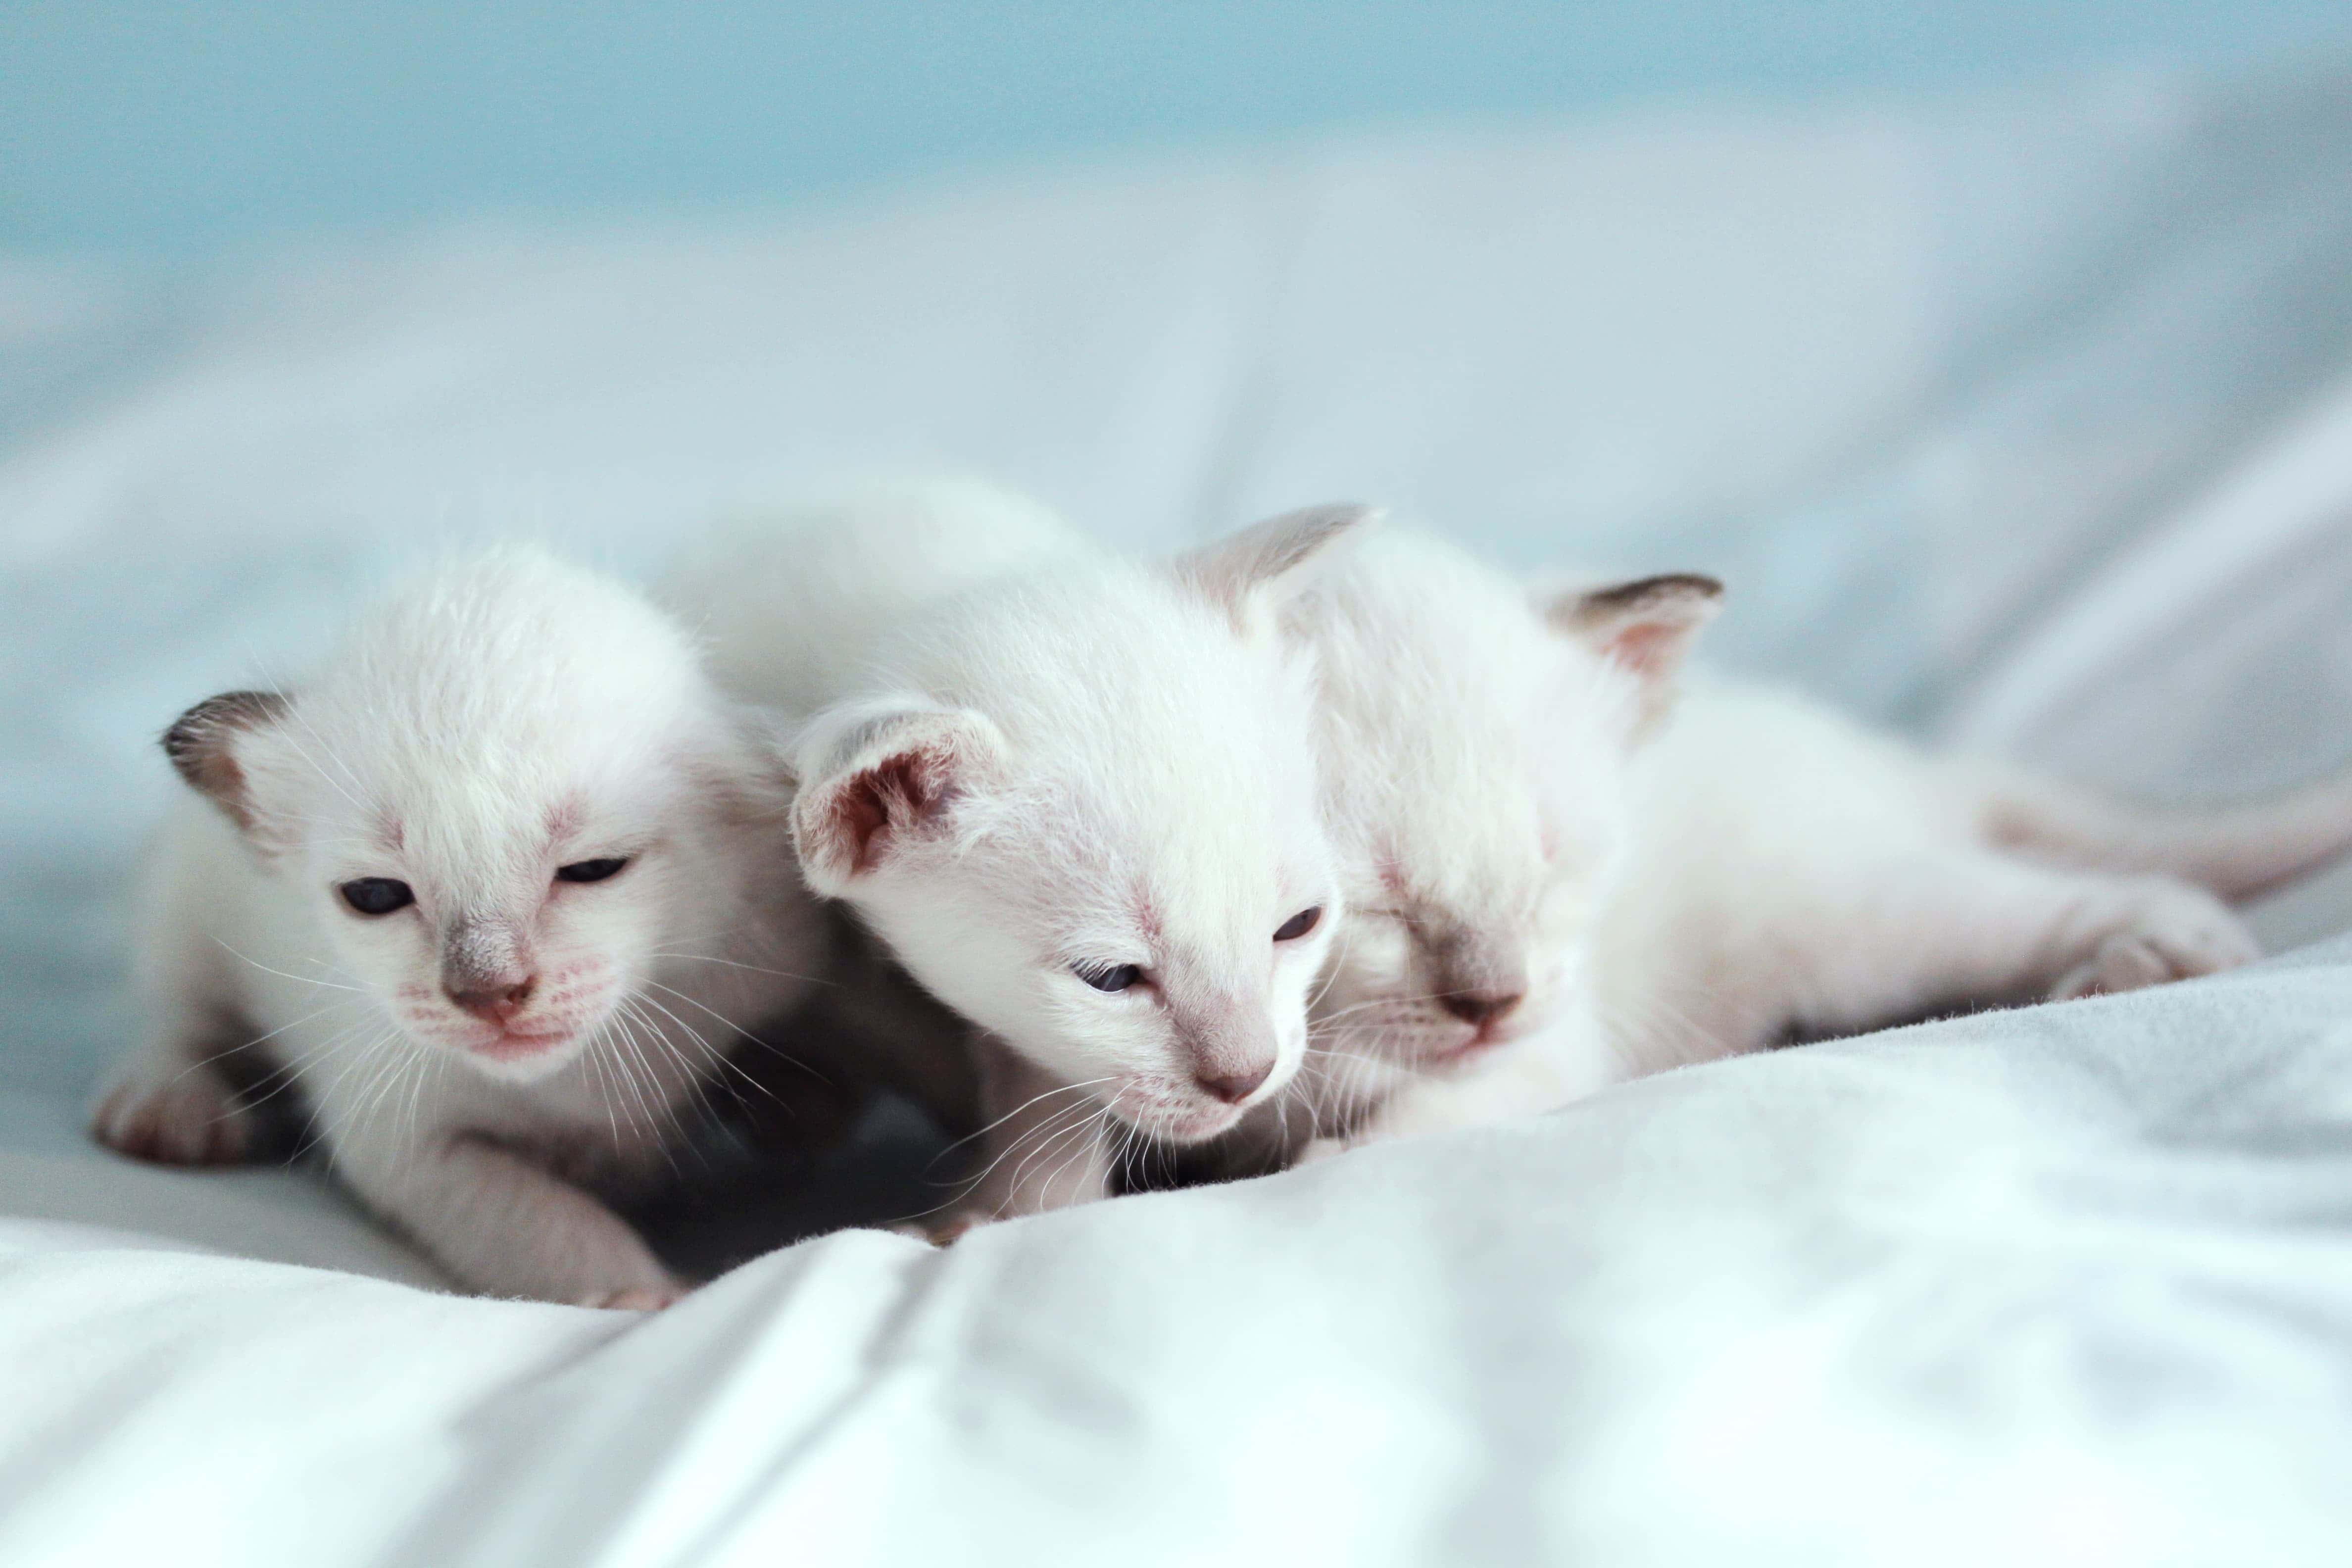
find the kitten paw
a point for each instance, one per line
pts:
(1319, 1149)
(948, 1229)
(188, 1119)
(2180, 939)
(637, 1299)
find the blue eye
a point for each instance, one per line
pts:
(1300, 924)
(1116, 977)
(376, 895)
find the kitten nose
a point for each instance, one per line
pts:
(1232, 1087)
(1481, 975)
(1481, 1006)
(496, 1003)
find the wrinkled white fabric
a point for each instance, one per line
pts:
(2023, 422)
(2070, 1285)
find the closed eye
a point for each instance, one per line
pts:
(592, 870)
(1300, 924)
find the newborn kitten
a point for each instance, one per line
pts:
(494, 888)
(1474, 783)
(1074, 796)
(1543, 846)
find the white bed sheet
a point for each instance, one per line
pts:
(2026, 422)
(2066, 1286)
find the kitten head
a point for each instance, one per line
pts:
(507, 797)
(1081, 807)
(1476, 747)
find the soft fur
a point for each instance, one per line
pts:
(1525, 810)
(1024, 761)
(478, 1059)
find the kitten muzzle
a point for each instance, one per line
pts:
(486, 971)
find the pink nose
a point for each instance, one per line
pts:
(496, 1003)
(1232, 1087)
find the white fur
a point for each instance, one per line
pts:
(492, 723)
(791, 605)
(1476, 780)
(1688, 881)
(1027, 758)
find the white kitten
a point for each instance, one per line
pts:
(1545, 848)
(492, 888)
(1074, 795)
(791, 605)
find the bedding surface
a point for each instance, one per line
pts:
(2069, 1285)
(2022, 423)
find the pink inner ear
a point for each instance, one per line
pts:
(889, 798)
(1648, 648)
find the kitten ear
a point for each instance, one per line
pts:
(1253, 574)
(1644, 627)
(877, 775)
(204, 745)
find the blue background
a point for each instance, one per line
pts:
(185, 127)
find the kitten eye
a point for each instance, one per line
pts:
(1118, 977)
(591, 870)
(376, 895)
(1300, 924)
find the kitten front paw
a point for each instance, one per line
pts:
(638, 1298)
(188, 1118)
(946, 1229)
(2179, 939)
(1321, 1149)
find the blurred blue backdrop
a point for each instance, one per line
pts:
(180, 126)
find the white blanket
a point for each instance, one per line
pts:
(2024, 423)
(2068, 1286)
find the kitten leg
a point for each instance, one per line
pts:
(1045, 1148)
(169, 1104)
(174, 1101)
(2184, 934)
(504, 1227)
(1984, 930)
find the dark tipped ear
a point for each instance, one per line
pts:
(875, 778)
(1645, 627)
(1251, 575)
(203, 745)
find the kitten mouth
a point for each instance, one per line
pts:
(1482, 1039)
(1492, 1035)
(1469, 1051)
(1194, 1128)
(1177, 1123)
(520, 1045)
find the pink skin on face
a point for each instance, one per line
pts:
(1455, 1043)
(1157, 1109)
(1478, 1039)
(566, 1001)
